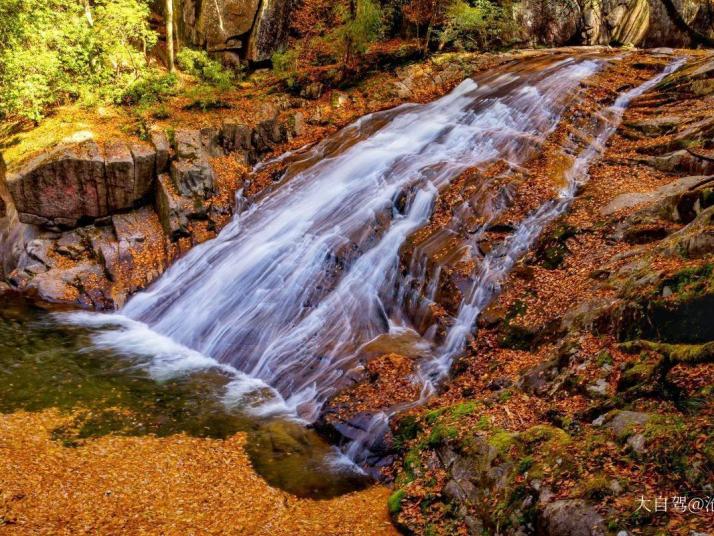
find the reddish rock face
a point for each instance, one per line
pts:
(82, 182)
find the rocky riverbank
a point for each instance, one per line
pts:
(588, 386)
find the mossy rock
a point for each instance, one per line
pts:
(641, 372)
(406, 429)
(440, 433)
(543, 433)
(463, 409)
(502, 441)
(596, 488)
(394, 503)
(516, 337)
(624, 423)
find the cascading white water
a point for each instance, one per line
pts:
(498, 263)
(293, 287)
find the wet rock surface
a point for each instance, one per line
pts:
(250, 29)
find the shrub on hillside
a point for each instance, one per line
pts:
(150, 89)
(476, 25)
(198, 64)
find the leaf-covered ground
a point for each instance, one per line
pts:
(150, 485)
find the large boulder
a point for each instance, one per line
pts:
(217, 23)
(250, 28)
(615, 21)
(270, 32)
(82, 182)
(13, 234)
(548, 22)
(662, 31)
(572, 517)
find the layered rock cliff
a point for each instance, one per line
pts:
(646, 23)
(253, 30)
(240, 29)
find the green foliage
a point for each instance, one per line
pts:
(285, 63)
(198, 64)
(365, 27)
(52, 51)
(150, 89)
(475, 25)
(161, 112)
(394, 503)
(361, 27)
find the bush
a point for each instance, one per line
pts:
(150, 89)
(365, 27)
(476, 26)
(198, 64)
(52, 51)
(361, 27)
(285, 63)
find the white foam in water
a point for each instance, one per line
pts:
(499, 262)
(165, 359)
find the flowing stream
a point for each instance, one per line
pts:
(285, 299)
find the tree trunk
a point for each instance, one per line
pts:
(696, 37)
(348, 36)
(430, 27)
(170, 34)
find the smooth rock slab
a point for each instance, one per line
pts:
(79, 183)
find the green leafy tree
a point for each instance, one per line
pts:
(363, 25)
(476, 25)
(53, 51)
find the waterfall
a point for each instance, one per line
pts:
(497, 264)
(288, 294)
